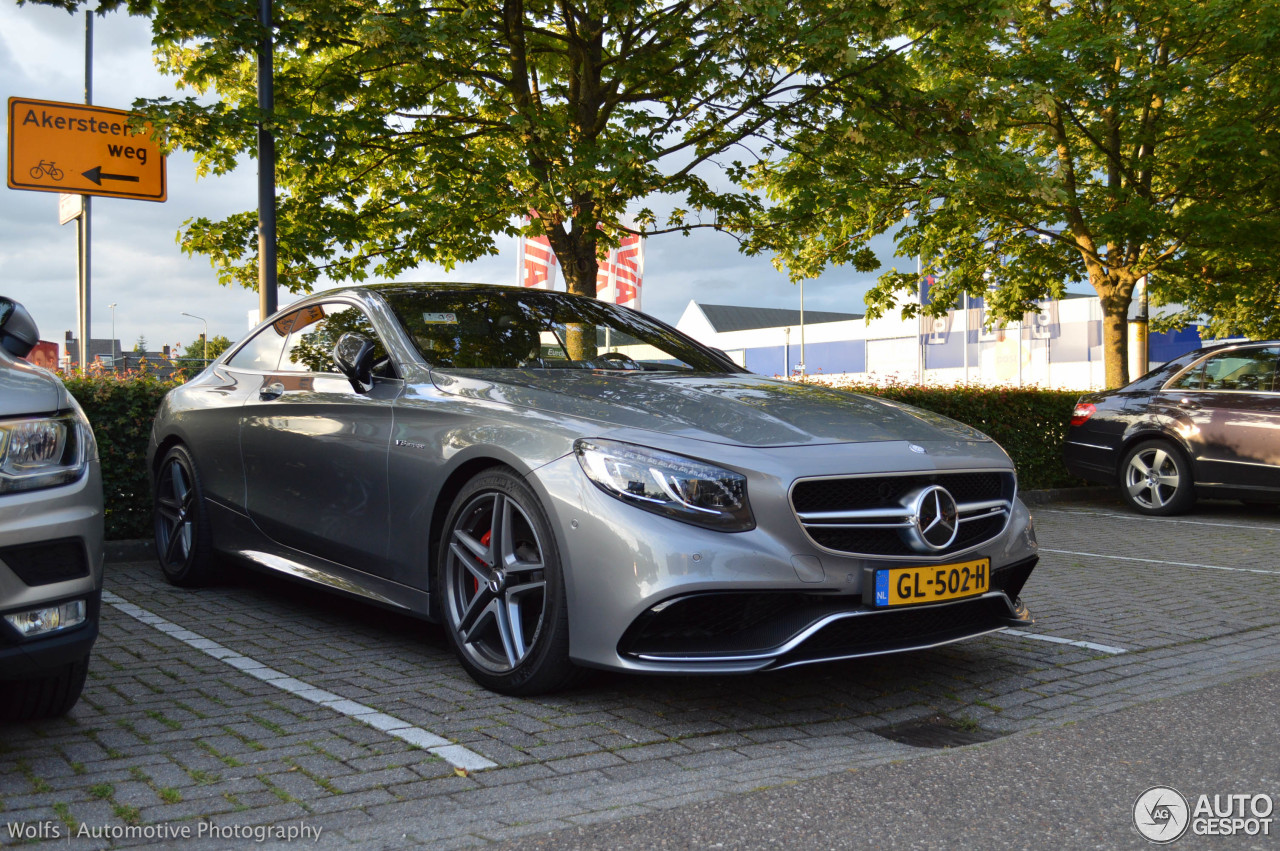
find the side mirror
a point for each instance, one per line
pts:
(354, 356)
(18, 332)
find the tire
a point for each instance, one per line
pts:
(183, 540)
(45, 697)
(502, 588)
(1155, 479)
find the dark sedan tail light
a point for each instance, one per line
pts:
(1081, 414)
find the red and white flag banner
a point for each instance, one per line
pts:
(537, 263)
(622, 272)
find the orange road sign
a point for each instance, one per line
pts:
(81, 150)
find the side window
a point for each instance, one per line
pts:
(263, 351)
(1249, 370)
(316, 331)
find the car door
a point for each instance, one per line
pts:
(315, 450)
(1231, 404)
(214, 436)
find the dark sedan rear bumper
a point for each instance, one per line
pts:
(1090, 461)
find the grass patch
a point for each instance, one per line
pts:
(228, 760)
(186, 708)
(125, 724)
(163, 719)
(269, 725)
(102, 791)
(323, 782)
(171, 796)
(38, 784)
(64, 813)
(127, 813)
(204, 778)
(256, 745)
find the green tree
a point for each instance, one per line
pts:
(409, 131)
(140, 344)
(1043, 143)
(193, 356)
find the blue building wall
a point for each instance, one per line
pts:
(829, 358)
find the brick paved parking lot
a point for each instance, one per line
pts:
(259, 705)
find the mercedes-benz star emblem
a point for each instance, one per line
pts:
(935, 520)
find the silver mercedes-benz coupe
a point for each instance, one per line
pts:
(566, 484)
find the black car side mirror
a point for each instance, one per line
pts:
(18, 332)
(354, 356)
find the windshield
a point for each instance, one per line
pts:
(503, 328)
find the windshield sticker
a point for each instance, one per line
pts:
(440, 318)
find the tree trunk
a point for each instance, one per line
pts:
(580, 266)
(1115, 342)
(1115, 330)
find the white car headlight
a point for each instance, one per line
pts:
(43, 452)
(675, 486)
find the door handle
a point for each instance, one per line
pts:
(1189, 404)
(271, 391)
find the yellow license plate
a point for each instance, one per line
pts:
(905, 586)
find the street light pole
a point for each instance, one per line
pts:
(204, 357)
(266, 167)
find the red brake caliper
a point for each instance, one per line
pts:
(484, 541)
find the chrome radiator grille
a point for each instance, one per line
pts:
(880, 515)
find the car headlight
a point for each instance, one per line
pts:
(672, 485)
(43, 452)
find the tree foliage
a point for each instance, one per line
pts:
(410, 131)
(195, 354)
(1042, 143)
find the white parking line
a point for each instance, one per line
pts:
(1088, 645)
(457, 755)
(1132, 517)
(1162, 561)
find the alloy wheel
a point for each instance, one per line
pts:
(174, 513)
(1152, 478)
(496, 583)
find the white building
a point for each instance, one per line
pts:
(1060, 347)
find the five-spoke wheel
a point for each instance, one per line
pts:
(181, 526)
(503, 597)
(1155, 478)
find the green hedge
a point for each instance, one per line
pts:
(1029, 423)
(121, 408)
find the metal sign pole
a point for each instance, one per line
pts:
(84, 228)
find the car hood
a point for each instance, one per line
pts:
(739, 409)
(26, 388)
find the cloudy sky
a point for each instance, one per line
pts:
(138, 266)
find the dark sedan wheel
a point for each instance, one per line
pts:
(181, 522)
(504, 602)
(1155, 478)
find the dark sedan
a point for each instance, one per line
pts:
(1205, 424)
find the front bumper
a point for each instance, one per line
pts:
(45, 655)
(50, 552)
(729, 631)
(647, 593)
